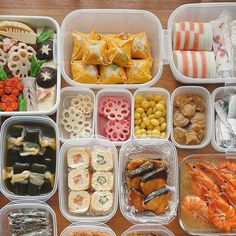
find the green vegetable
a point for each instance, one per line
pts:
(103, 199)
(22, 103)
(101, 160)
(46, 34)
(35, 65)
(101, 180)
(3, 74)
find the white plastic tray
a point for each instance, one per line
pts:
(63, 187)
(66, 95)
(199, 12)
(123, 93)
(208, 126)
(21, 205)
(112, 21)
(42, 120)
(77, 226)
(34, 22)
(166, 96)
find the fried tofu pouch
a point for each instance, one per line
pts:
(78, 38)
(84, 73)
(112, 74)
(140, 46)
(139, 72)
(94, 52)
(119, 51)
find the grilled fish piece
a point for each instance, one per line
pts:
(157, 173)
(136, 199)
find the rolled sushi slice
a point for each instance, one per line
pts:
(102, 181)
(16, 136)
(79, 201)
(101, 202)
(78, 158)
(32, 135)
(102, 159)
(78, 179)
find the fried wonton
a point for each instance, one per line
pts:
(140, 46)
(119, 52)
(112, 74)
(94, 52)
(84, 73)
(78, 38)
(139, 72)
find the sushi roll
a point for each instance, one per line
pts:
(102, 159)
(78, 179)
(101, 202)
(78, 158)
(79, 201)
(102, 181)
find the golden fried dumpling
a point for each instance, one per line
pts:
(94, 52)
(119, 52)
(140, 46)
(112, 74)
(78, 38)
(84, 73)
(139, 72)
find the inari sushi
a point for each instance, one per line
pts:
(102, 159)
(78, 179)
(101, 202)
(78, 158)
(78, 201)
(102, 181)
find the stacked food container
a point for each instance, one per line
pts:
(111, 58)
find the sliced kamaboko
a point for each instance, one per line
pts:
(193, 36)
(195, 64)
(78, 179)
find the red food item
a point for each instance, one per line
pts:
(9, 103)
(1, 92)
(13, 86)
(2, 84)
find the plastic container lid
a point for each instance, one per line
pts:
(199, 12)
(208, 126)
(215, 94)
(155, 91)
(63, 187)
(99, 122)
(40, 21)
(148, 228)
(43, 120)
(112, 21)
(20, 205)
(95, 226)
(67, 94)
(166, 151)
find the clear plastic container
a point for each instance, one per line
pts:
(64, 189)
(208, 126)
(166, 96)
(22, 205)
(195, 226)
(101, 121)
(67, 94)
(95, 226)
(112, 21)
(42, 120)
(148, 228)
(199, 12)
(34, 22)
(163, 149)
(216, 94)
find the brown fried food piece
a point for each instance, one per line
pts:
(179, 135)
(136, 162)
(136, 199)
(134, 182)
(152, 185)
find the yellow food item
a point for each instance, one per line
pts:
(119, 51)
(111, 36)
(112, 74)
(94, 52)
(84, 73)
(140, 46)
(139, 72)
(150, 116)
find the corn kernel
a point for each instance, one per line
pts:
(142, 125)
(158, 114)
(143, 131)
(138, 99)
(136, 127)
(140, 110)
(163, 126)
(137, 132)
(138, 122)
(160, 107)
(161, 120)
(137, 115)
(144, 115)
(152, 104)
(154, 122)
(146, 121)
(145, 104)
(163, 134)
(150, 97)
(152, 116)
(149, 111)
